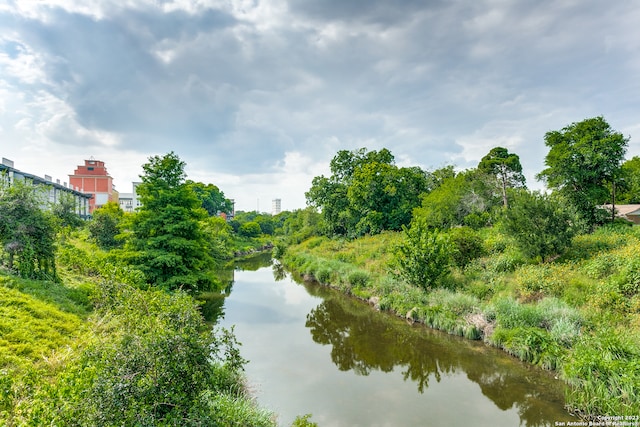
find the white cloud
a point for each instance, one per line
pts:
(257, 97)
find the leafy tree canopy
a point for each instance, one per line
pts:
(542, 225)
(463, 199)
(212, 199)
(505, 167)
(105, 225)
(629, 190)
(65, 211)
(583, 162)
(366, 193)
(167, 233)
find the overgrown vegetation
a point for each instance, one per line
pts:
(96, 327)
(547, 278)
(95, 349)
(578, 314)
(550, 278)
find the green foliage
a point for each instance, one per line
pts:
(36, 319)
(266, 223)
(358, 278)
(464, 198)
(583, 162)
(423, 257)
(604, 372)
(543, 279)
(27, 233)
(540, 225)
(301, 224)
(304, 421)
(111, 265)
(167, 239)
(219, 236)
(65, 211)
(366, 193)
(529, 344)
(211, 198)
(466, 244)
(250, 229)
(506, 169)
(150, 365)
(105, 225)
(628, 190)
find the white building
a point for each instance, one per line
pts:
(51, 191)
(129, 202)
(276, 206)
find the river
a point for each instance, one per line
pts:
(313, 350)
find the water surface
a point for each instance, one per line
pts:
(313, 350)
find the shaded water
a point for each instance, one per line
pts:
(314, 350)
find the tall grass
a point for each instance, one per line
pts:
(603, 370)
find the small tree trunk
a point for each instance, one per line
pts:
(613, 200)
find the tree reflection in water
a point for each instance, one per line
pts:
(363, 340)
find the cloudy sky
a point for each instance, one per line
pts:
(257, 96)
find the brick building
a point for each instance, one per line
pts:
(93, 178)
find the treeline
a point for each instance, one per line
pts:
(177, 239)
(367, 193)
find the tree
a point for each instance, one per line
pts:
(629, 191)
(382, 196)
(212, 199)
(541, 225)
(505, 167)
(366, 193)
(65, 211)
(423, 257)
(250, 229)
(171, 247)
(462, 199)
(583, 164)
(105, 225)
(27, 233)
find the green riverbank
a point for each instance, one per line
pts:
(92, 349)
(578, 315)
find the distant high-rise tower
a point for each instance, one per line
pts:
(94, 179)
(276, 206)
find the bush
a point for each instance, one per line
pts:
(541, 225)
(423, 257)
(149, 365)
(358, 278)
(250, 229)
(467, 245)
(542, 279)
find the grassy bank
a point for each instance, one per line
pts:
(578, 315)
(95, 349)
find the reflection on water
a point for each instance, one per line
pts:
(363, 341)
(313, 350)
(212, 303)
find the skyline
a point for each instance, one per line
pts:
(258, 96)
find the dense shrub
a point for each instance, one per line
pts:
(149, 365)
(467, 245)
(423, 257)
